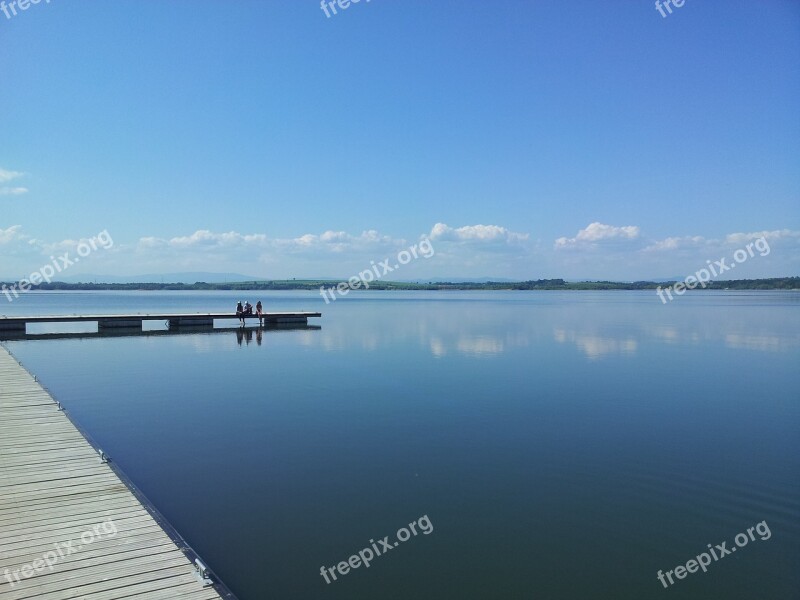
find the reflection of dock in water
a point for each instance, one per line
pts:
(241, 333)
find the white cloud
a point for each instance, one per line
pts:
(13, 191)
(597, 252)
(737, 239)
(202, 250)
(730, 241)
(207, 239)
(335, 252)
(596, 232)
(22, 241)
(256, 250)
(6, 175)
(624, 253)
(339, 242)
(331, 240)
(475, 233)
(12, 234)
(676, 243)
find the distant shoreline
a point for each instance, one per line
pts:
(779, 283)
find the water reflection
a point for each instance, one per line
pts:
(468, 345)
(598, 325)
(597, 346)
(734, 334)
(764, 343)
(536, 416)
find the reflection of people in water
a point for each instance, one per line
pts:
(244, 335)
(259, 335)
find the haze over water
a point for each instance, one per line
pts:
(563, 445)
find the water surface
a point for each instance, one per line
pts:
(563, 445)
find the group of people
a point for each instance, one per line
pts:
(246, 310)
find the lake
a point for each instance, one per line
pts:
(545, 445)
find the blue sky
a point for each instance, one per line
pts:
(526, 139)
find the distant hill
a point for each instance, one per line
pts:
(460, 280)
(189, 277)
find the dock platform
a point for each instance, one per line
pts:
(70, 527)
(128, 321)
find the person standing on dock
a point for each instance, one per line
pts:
(260, 314)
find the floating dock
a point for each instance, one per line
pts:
(70, 527)
(133, 321)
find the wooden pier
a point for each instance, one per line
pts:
(132, 321)
(69, 525)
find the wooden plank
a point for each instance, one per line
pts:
(56, 493)
(151, 532)
(72, 528)
(35, 496)
(38, 457)
(105, 578)
(75, 510)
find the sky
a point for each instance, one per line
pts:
(522, 139)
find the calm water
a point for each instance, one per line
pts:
(563, 445)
